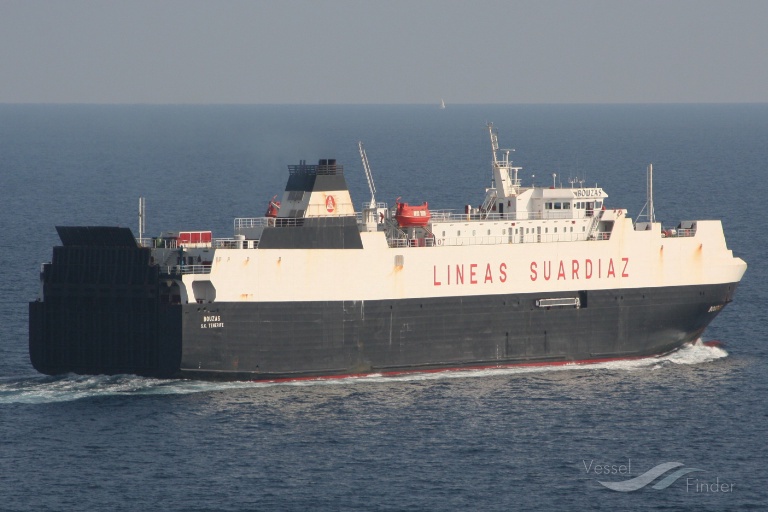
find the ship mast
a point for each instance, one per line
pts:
(141, 218)
(651, 215)
(649, 177)
(503, 172)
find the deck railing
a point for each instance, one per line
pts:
(456, 216)
(678, 233)
(253, 222)
(185, 269)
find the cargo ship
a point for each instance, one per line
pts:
(315, 288)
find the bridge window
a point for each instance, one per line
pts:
(548, 206)
(558, 206)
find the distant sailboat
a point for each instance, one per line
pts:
(442, 103)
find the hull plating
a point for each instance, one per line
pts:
(304, 339)
(284, 340)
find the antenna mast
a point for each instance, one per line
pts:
(503, 167)
(141, 218)
(649, 177)
(368, 174)
(648, 196)
(494, 142)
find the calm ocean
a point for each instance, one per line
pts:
(527, 439)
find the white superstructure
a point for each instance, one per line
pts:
(520, 240)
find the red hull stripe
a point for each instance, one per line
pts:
(456, 369)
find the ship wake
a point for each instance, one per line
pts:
(37, 390)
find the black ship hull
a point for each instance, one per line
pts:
(288, 340)
(297, 339)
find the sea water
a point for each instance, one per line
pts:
(512, 439)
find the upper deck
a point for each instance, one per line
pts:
(316, 212)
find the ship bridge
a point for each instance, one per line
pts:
(567, 203)
(509, 199)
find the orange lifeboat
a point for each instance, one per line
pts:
(408, 216)
(273, 207)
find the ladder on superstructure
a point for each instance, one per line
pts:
(596, 215)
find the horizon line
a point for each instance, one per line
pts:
(650, 103)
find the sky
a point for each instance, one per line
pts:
(383, 51)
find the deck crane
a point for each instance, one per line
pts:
(368, 174)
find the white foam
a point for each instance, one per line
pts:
(696, 353)
(73, 387)
(689, 354)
